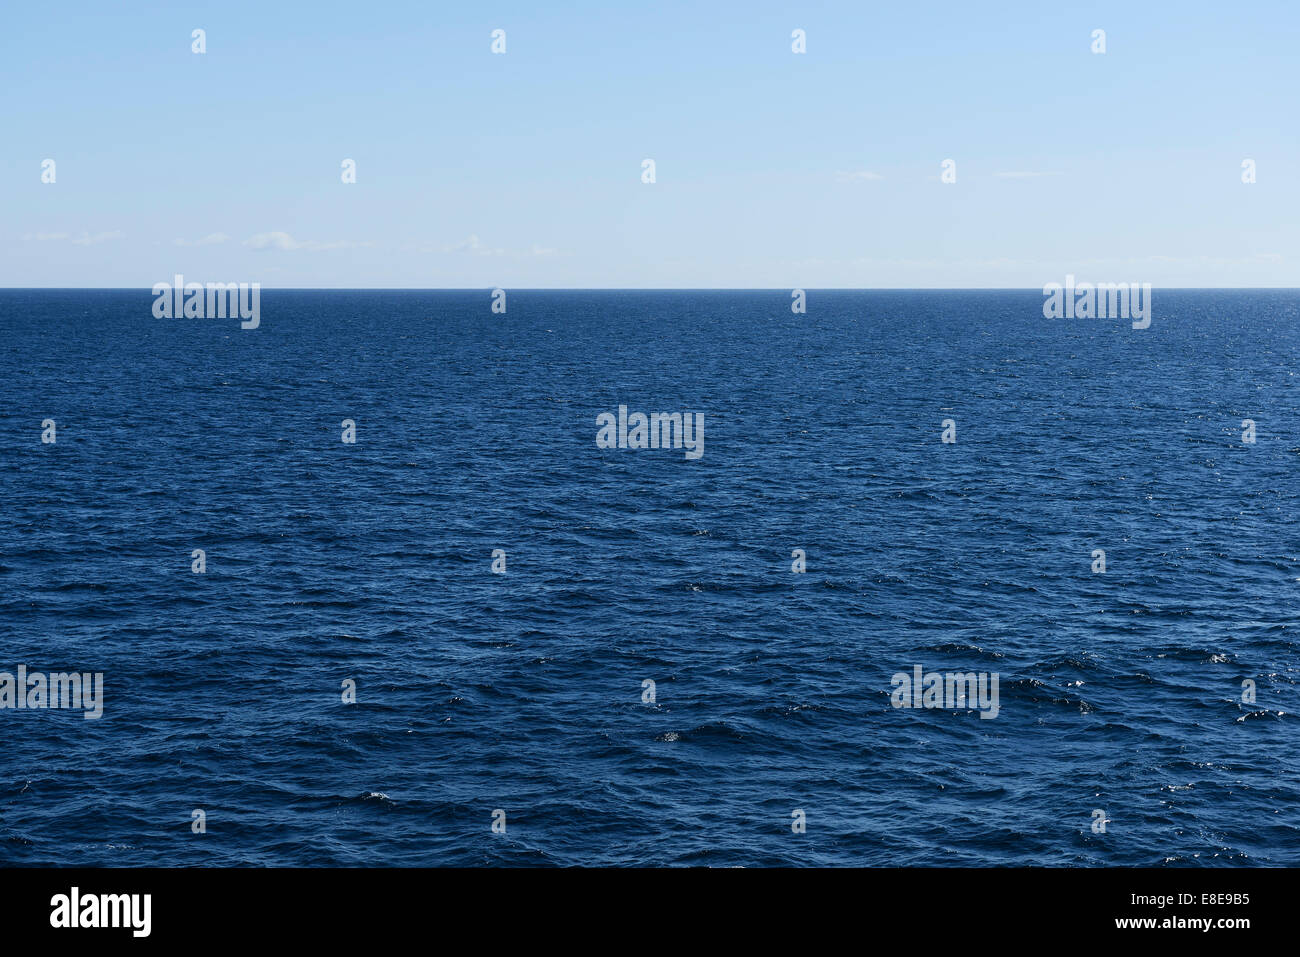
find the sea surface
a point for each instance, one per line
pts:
(328, 563)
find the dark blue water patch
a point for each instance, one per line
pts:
(330, 563)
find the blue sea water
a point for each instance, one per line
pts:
(326, 561)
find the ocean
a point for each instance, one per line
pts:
(559, 653)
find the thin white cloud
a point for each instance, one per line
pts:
(83, 239)
(472, 244)
(285, 242)
(211, 239)
(475, 246)
(86, 239)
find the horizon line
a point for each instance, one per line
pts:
(148, 288)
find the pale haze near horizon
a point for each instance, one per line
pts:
(774, 169)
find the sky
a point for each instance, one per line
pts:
(772, 169)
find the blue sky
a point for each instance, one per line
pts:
(773, 169)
